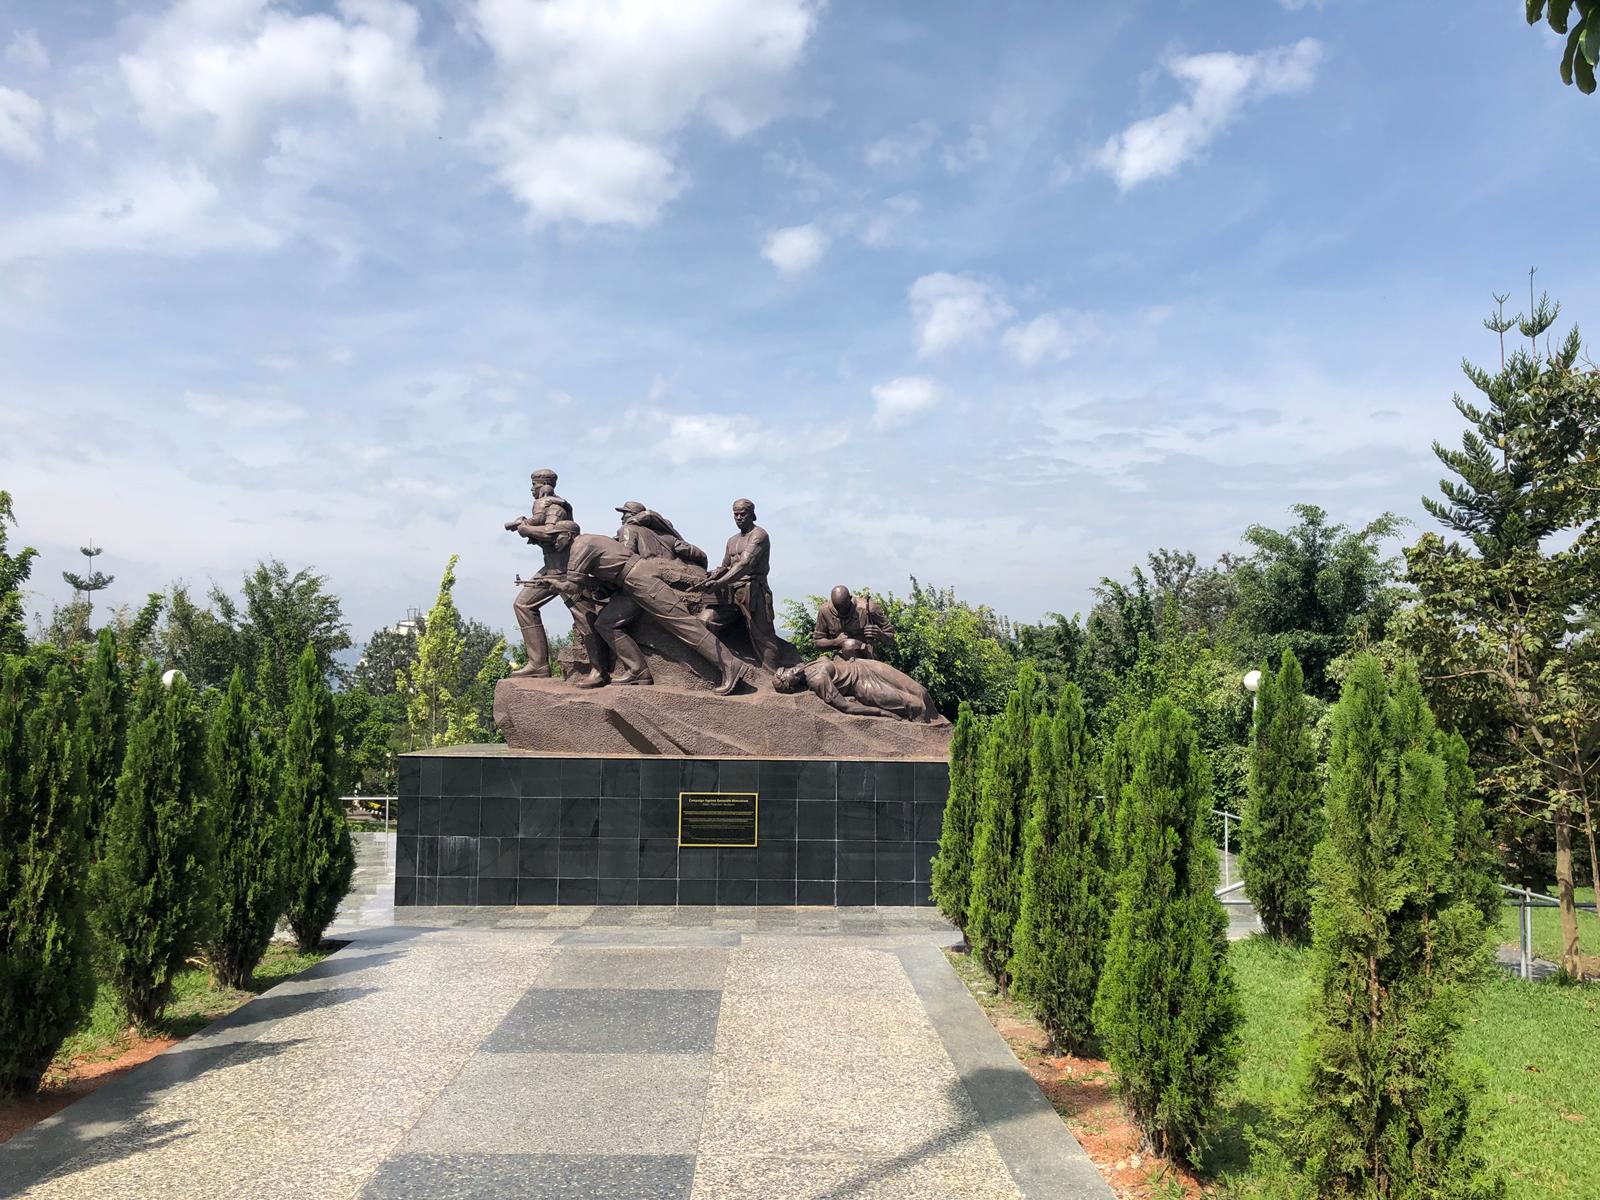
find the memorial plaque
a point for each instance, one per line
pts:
(716, 818)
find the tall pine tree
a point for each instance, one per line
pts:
(152, 883)
(318, 860)
(1064, 917)
(1167, 1008)
(102, 732)
(45, 984)
(1399, 939)
(997, 833)
(1283, 810)
(249, 894)
(952, 867)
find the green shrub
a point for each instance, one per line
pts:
(997, 833)
(249, 895)
(45, 984)
(152, 883)
(317, 859)
(1063, 919)
(1398, 943)
(102, 732)
(1167, 1008)
(1283, 809)
(952, 867)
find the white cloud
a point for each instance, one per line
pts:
(245, 65)
(968, 154)
(153, 209)
(904, 149)
(595, 95)
(884, 226)
(794, 250)
(25, 50)
(1220, 85)
(251, 413)
(21, 121)
(954, 310)
(1053, 335)
(898, 400)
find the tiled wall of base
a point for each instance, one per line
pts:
(503, 829)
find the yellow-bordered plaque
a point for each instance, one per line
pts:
(717, 818)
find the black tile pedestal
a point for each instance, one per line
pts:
(484, 825)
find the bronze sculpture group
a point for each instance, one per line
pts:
(649, 569)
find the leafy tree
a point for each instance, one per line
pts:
(1582, 53)
(1064, 916)
(14, 572)
(1503, 618)
(102, 732)
(249, 892)
(152, 883)
(45, 985)
(1398, 942)
(952, 867)
(371, 731)
(83, 589)
(1317, 589)
(997, 832)
(438, 711)
(958, 651)
(1167, 1008)
(318, 861)
(280, 614)
(1283, 810)
(389, 652)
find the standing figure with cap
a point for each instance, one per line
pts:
(742, 581)
(851, 626)
(550, 527)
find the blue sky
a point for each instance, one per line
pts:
(1001, 295)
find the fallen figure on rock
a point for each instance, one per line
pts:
(862, 687)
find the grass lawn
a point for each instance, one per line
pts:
(1547, 929)
(196, 1002)
(1537, 1046)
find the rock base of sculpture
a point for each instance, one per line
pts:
(554, 717)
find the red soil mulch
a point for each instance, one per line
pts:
(66, 1083)
(1083, 1091)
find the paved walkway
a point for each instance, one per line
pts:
(583, 1052)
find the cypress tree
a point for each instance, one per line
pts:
(952, 866)
(317, 859)
(997, 833)
(1116, 769)
(1063, 920)
(152, 885)
(249, 896)
(102, 732)
(1399, 939)
(45, 984)
(1167, 1008)
(1283, 810)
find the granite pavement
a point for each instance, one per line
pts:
(691, 1053)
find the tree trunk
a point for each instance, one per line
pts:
(1564, 893)
(1594, 859)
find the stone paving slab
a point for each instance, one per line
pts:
(571, 1103)
(583, 1053)
(532, 1177)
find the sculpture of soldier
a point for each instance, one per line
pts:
(640, 585)
(741, 581)
(650, 535)
(549, 526)
(851, 618)
(863, 687)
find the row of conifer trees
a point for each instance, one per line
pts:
(136, 830)
(1085, 878)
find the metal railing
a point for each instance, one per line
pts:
(1526, 901)
(1228, 819)
(359, 804)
